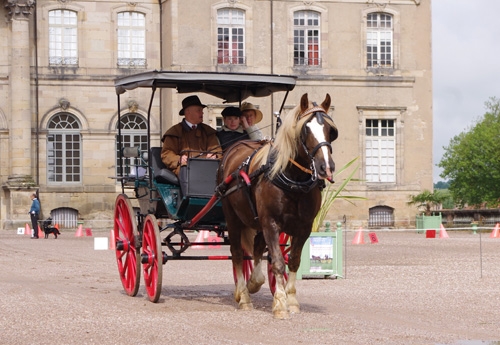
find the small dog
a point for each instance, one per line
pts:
(49, 229)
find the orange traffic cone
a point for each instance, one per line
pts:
(202, 237)
(27, 230)
(79, 231)
(359, 238)
(442, 232)
(496, 231)
(40, 232)
(56, 226)
(112, 241)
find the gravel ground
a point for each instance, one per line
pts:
(404, 290)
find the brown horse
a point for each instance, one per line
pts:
(275, 187)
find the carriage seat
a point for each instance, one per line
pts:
(161, 173)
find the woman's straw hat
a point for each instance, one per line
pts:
(250, 106)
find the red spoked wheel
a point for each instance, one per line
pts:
(285, 248)
(125, 236)
(152, 258)
(247, 268)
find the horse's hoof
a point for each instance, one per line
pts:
(281, 315)
(254, 287)
(294, 309)
(246, 306)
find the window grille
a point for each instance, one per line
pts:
(64, 216)
(381, 216)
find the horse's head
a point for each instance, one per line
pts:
(316, 135)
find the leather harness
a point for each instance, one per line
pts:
(244, 179)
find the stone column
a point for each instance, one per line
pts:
(20, 183)
(19, 13)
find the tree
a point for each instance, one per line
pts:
(471, 161)
(441, 185)
(447, 202)
(427, 200)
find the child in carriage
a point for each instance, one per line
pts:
(232, 130)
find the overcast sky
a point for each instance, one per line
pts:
(466, 66)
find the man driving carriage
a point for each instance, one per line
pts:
(191, 134)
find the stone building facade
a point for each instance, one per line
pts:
(58, 107)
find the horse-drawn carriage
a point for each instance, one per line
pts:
(262, 196)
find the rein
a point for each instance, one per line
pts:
(304, 169)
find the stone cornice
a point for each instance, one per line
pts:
(19, 9)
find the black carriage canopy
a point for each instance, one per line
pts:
(231, 87)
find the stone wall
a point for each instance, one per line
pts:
(403, 93)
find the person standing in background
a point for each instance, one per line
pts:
(34, 214)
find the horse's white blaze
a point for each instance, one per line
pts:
(319, 135)
(327, 162)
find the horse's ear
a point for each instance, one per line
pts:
(326, 103)
(304, 103)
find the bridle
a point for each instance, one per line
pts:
(281, 180)
(320, 115)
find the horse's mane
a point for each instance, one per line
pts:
(286, 143)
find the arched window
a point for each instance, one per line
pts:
(131, 39)
(134, 132)
(230, 36)
(63, 38)
(381, 216)
(64, 163)
(306, 38)
(379, 40)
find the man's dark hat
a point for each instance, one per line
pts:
(189, 101)
(231, 111)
